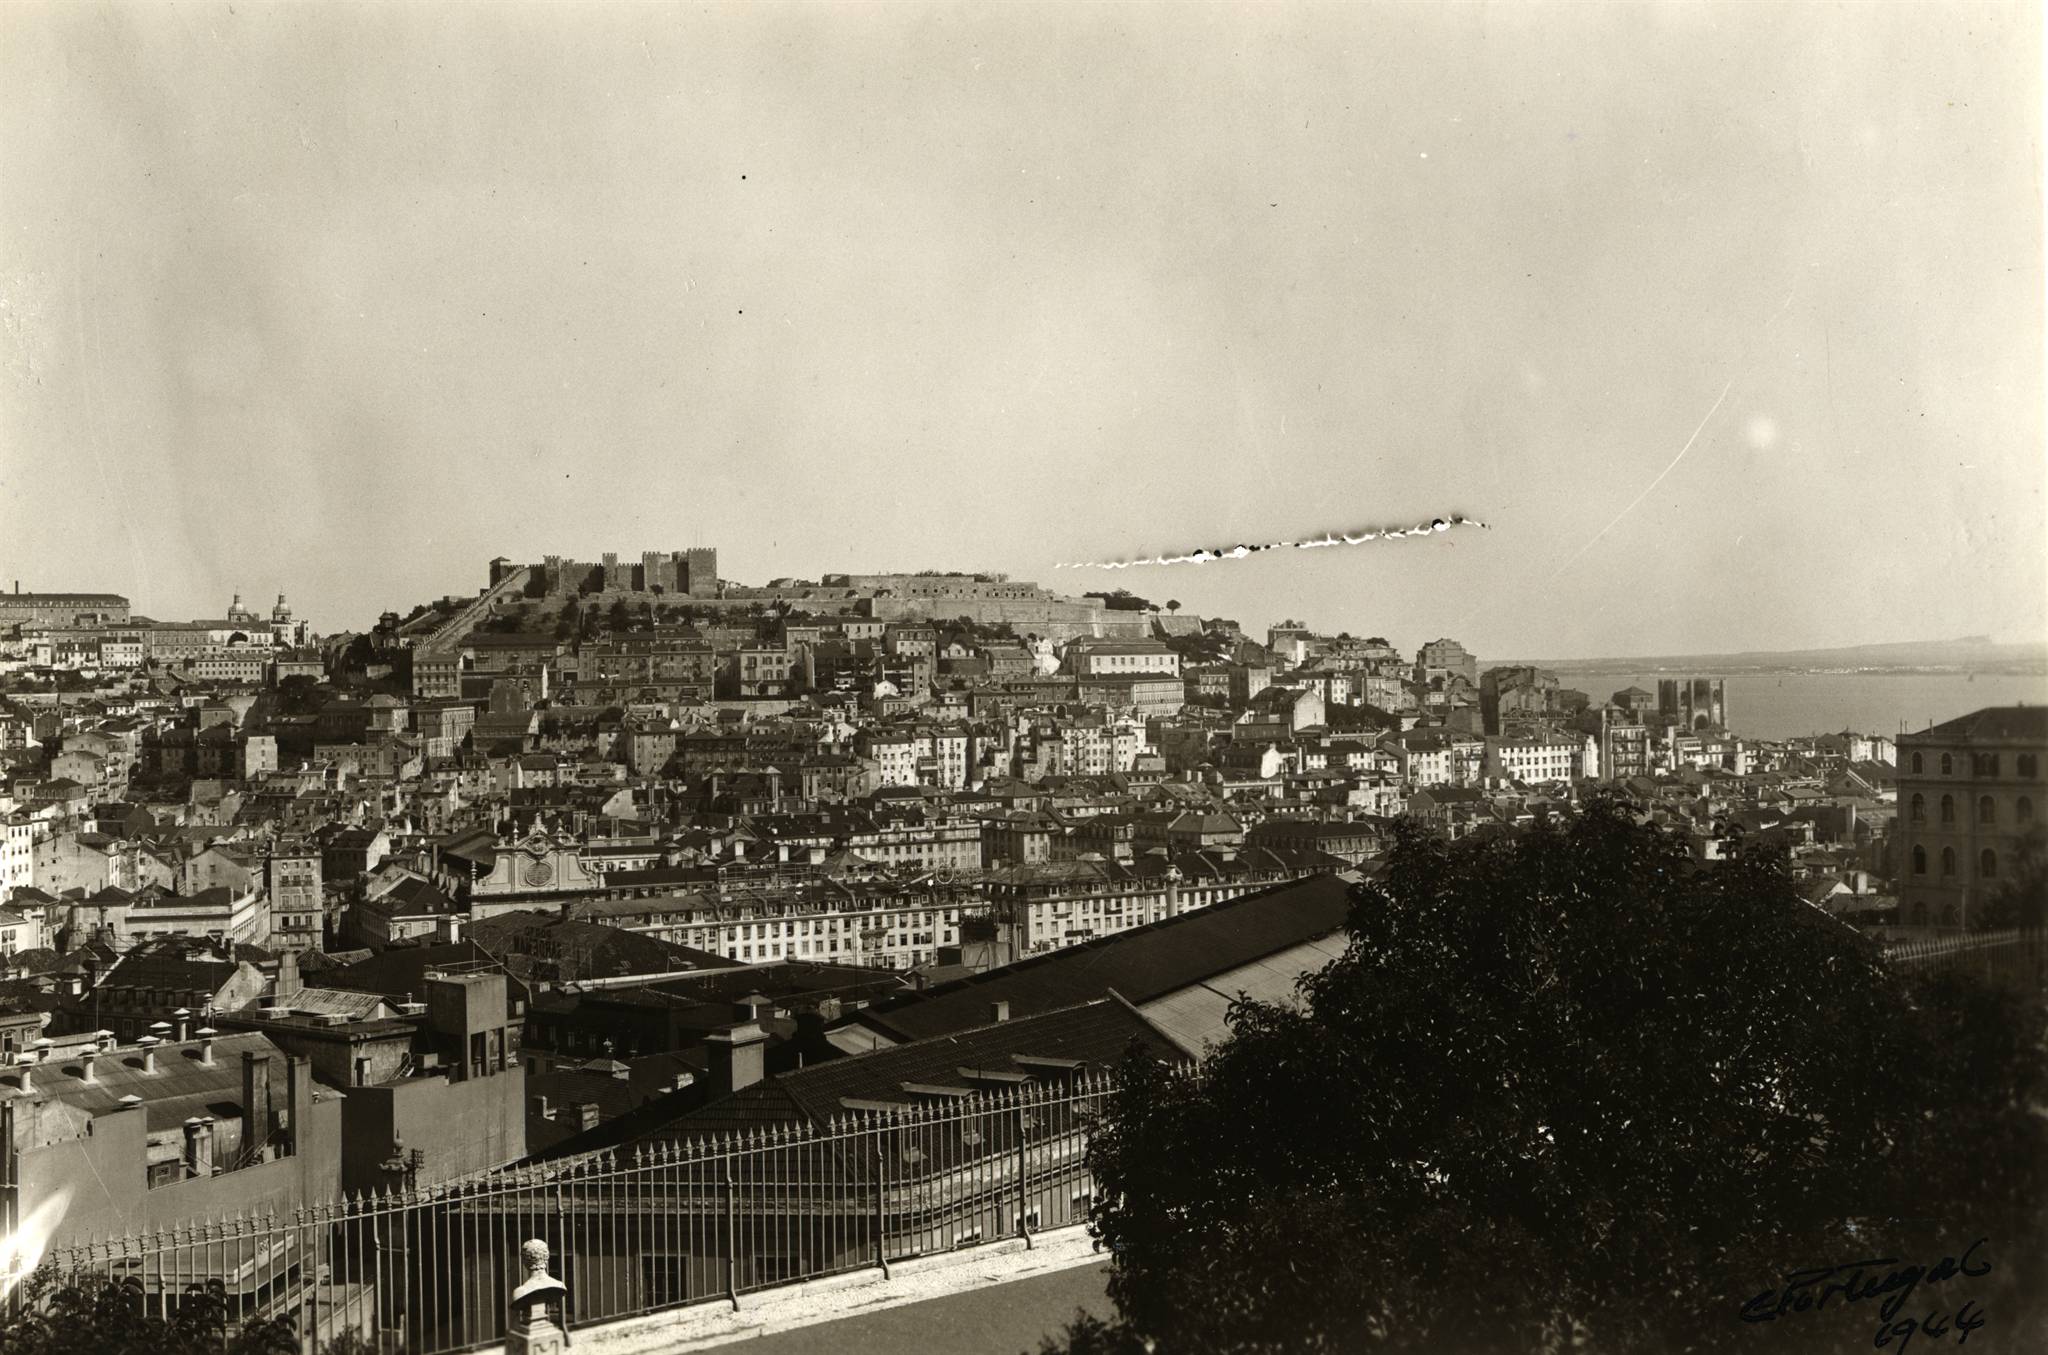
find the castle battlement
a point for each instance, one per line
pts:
(689, 572)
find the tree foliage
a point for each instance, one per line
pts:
(59, 1316)
(2021, 899)
(1570, 1089)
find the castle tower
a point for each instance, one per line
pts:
(700, 572)
(281, 614)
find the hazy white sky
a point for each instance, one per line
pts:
(345, 299)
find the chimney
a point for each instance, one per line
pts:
(206, 1036)
(86, 1057)
(27, 1063)
(106, 1040)
(183, 1016)
(42, 1049)
(586, 1115)
(199, 1146)
(735, 1056)
(540, 1108)
(999, 1011)
(288, 983)
(149, 1044)
(255, 1104)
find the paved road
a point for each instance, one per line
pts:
(1002, 1319)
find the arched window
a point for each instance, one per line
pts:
(1948, 809)
(1948, 860)
(1918, 809)
(1917, 765)
(1987, 812)
(1948, 765)
(1919, 860)
(1920, 913)
(2023, 810)
(1987, 864)
(2029, 766)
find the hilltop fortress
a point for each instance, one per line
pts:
(691, 575)
(690, 572)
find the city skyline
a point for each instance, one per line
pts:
(1026, 287)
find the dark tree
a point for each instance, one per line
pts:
(299, 695)
(1569, 1089)
(2021, 899)
(91, 1313)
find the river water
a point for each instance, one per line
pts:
(1784, 705)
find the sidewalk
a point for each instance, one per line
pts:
(1003, 1319)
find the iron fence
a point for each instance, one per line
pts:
(637, 1229)
(2016, 957)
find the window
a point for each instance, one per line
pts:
(2030, 767)
(1918, 765)
(1948, 860)
(1987, 864)
(1948, 809)
(2023, 810)
(1987, 812)
(1919, 860)
(1918, 810)
(1948, 765)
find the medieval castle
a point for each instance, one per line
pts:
(692, 572)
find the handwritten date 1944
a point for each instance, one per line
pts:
(1932, 1325)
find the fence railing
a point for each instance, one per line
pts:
(636, 1229)
(2014, 956)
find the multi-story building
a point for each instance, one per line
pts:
(673, 663)
(879, 924)
(17, 854)
(297, 907)
(1970, 790)
(1444, 659)
(1121, 658)
(63, 610)
(760, 670)
(1537, 759)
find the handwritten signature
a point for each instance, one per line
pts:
(1882, 1277)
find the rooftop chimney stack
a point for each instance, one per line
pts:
(86, 1058)
(183, 1016)
(149, 1044)
(255, 1104)
(206, 1037)
(736, 1056)
(27, 1063)
(999, 1011)
(199, 1146)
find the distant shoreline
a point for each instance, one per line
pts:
(1708, 667)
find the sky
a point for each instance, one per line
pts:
(1725, 319)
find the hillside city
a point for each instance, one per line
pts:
(615, 854)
